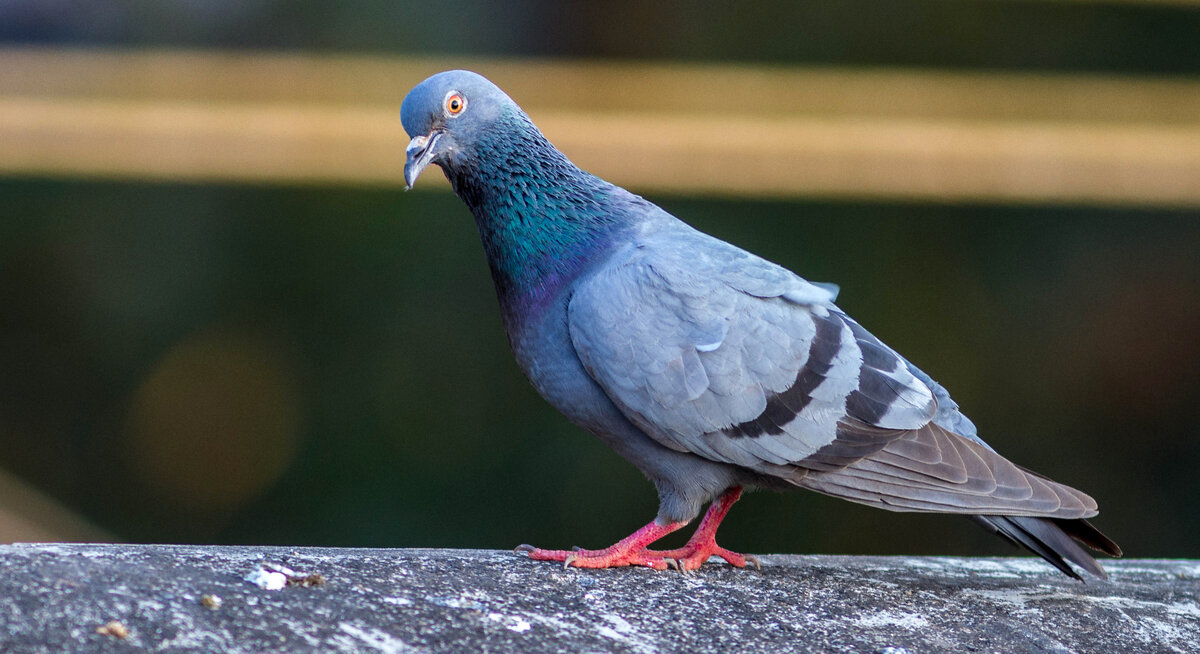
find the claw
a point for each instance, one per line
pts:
(750, 558)
(657, 564)
(569, 560)
(523, 548)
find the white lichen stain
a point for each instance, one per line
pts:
(1178, 634)
(1166, 633)
(37, 549)
(376, 639)
(595, 596)
(888, 619)
(625, 633)
(1173, 635)
(1183, 609)
(1170, 569)
(1015, 598)
(511, 622)
(455, 602)
(620, 624)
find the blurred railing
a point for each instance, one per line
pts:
(709, 129)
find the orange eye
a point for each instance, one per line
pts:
(455, 103)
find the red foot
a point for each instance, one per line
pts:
(703, 543)
(633, 550)
(691, 557)
(630, 551)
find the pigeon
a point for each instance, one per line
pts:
(710, 369)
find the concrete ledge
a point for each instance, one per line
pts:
(56, 598)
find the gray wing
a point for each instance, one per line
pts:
(713, 351)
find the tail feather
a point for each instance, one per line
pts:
(1054, 540)
(1084, 532)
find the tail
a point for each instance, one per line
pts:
(1054, 539)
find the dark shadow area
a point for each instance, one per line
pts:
(1128, 37)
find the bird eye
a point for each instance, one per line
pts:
(455, 104)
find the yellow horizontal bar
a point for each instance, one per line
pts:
(595, 86)
(653, 127)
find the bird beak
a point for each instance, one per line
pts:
(420, 153)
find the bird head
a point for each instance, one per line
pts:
(445, 116)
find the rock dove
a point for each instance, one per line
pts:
(707, 367)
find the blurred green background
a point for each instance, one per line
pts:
(324, 364)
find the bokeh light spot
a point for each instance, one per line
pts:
(216, 421)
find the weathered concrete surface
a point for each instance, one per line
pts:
(54, 597)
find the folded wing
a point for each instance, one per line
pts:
(713, 351)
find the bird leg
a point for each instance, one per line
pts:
(634, 550)
(703, 542)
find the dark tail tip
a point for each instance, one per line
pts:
(1084, 532)
(1054, 539)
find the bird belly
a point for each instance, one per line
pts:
(685, 482)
